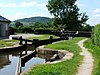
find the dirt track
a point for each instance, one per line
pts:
(87, 64)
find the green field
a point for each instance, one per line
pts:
(68, 67)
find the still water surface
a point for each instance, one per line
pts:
(9, 61)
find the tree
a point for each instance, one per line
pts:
(67, 13)
(11, 30)
(18, 24)
(39, 25)
(87, 27)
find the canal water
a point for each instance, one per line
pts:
(8, 64)
(9, 61)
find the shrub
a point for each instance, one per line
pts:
(11, 30)
(96, 35)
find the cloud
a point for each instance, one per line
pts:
(38, 14)
(93, 21)
(34, 4)
(19, 15)
(28, 4)
(96, 16)
(25, 4)
(8, 5)
(40, 10)
(42, 6)
(97, 10)
(96, 13)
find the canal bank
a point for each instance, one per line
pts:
(14, 54)
(43, 56)
(68, 67)
(23, 52)
(57, 56)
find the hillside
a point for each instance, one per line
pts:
(34, 19)
(31, 20)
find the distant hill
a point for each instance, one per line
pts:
(31, 20)
(34, 19)
(24, 23)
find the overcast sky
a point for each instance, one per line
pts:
(18, 9)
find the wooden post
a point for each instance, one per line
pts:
(35, 42)
(25, 42)
(51, 37)
(21, 42)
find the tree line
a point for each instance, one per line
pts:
(20, 28)
(66, 16)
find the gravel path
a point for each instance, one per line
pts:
(87, 64)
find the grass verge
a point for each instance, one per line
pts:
(95, 50)
(4, 44)
(42, 37)
(68, 67)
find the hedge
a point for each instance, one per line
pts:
(96, 35)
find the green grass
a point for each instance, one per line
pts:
(95, 50)
(68, 67)
(42, 37)
(4, 44)
(12, 41)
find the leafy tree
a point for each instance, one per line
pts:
(50, 23)
(36, 25)
(67, 13)
(87, 27)
(26, 29)
(18, 24)
(11, 30)
(40, 25)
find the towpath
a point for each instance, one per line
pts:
(87, 64)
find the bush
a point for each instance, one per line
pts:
(11, 31)
(26, 29)
(96, 35)
(42, 31)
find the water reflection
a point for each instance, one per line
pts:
(9, 60)
(4, 60)
(8, 64)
